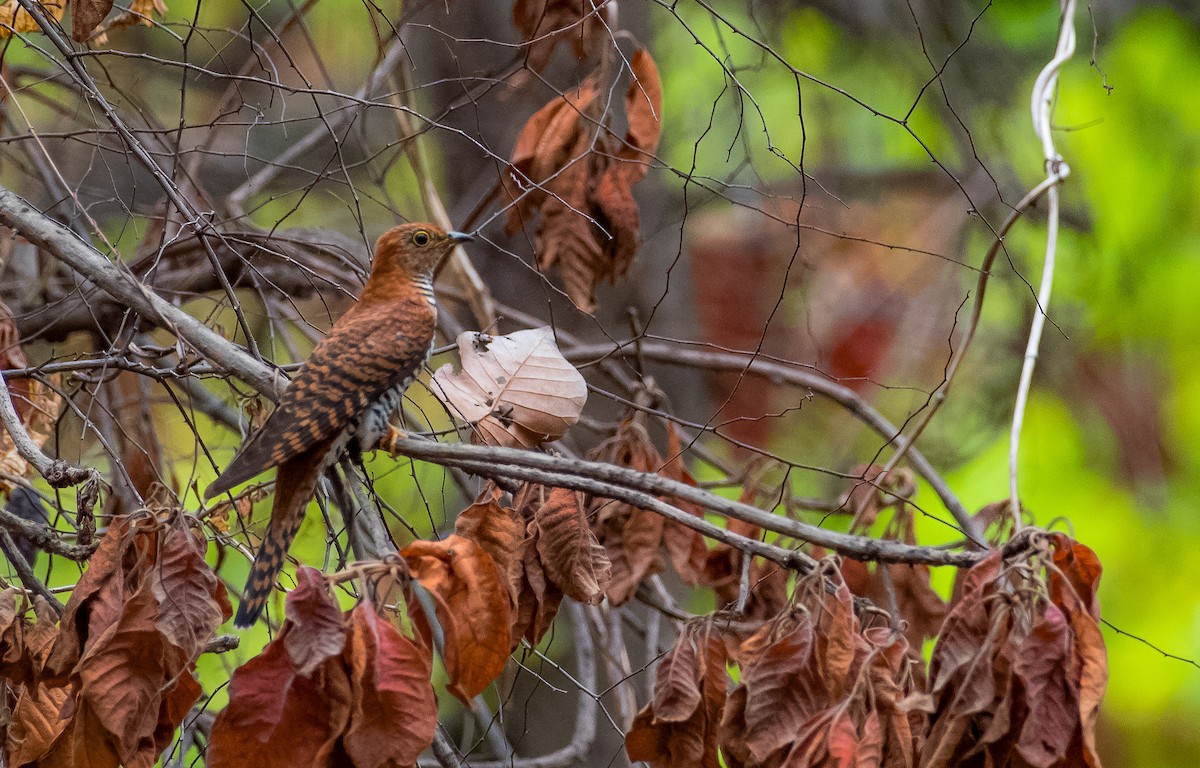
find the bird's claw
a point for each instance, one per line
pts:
(389, 440)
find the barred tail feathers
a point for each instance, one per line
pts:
(295, 484)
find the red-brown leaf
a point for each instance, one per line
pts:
(316, 631)
(193, 601)
(573, 559)
(777, 693)
(678, 728)
(1042, 665)
(500, 532)
(86, 16)
(278, 719)
(394, 715)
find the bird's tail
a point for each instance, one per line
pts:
(295, 484)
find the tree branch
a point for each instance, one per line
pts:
(769, 369)
(118, 283)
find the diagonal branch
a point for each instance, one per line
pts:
(64, 244)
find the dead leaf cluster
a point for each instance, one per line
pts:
(515, 390)
(814, 689)
(916, 602)
(572, 175)
(1015, 681)
(1020, 668)
(636, 538)
(114, 680)
(332, 689)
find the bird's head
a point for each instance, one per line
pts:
(414, 250)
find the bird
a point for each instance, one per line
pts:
(343, 397)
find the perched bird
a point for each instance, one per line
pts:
(342, 398)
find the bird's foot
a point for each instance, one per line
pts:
(388, 441)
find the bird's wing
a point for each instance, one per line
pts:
(364, 355)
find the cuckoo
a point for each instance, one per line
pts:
(343, 397)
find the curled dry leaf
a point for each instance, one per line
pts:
(86, 16)
(369, 703)
(500, 532)
(678, 728)
(539, 598)
(632, 537)
(120, 670)
(394, 715)
(472, 599)
(13, 15)
(315, 629)
(574, 176)
(816, 690)
(193, 601)
(686, 548)
(570, 555)
(278, 718)
(1016, 677)
(514, 390)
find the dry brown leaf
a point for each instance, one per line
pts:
(472, 609)
(500, 531)
(278, 719)
(574, 176)
(514, 390)
(394, 715)
(538, 599)
(678, 728)
(316, 631)
(141, 12)
(86, 16)
(571, 556)
(632, 537)
(545, 23)
(192, 601)
(13, 15)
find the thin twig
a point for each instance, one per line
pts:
(1042, 102)
(717, 360)
(25, 573)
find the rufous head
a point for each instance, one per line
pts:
(414, 249)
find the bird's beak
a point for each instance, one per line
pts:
(459, 237)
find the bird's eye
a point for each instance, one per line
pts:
(420, 237)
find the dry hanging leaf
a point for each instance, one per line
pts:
(394, 715)
(472, 609)
(277, 718)
(500, 532)
(514, 390)
(538, 599)
(678, 728)
(1019, 668)
(141, 12)
(568, 551)
(632, 537)
(86, 16)
(14, 16)
(316, 631)
(575, 177)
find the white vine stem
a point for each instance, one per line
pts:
(1041, 104)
